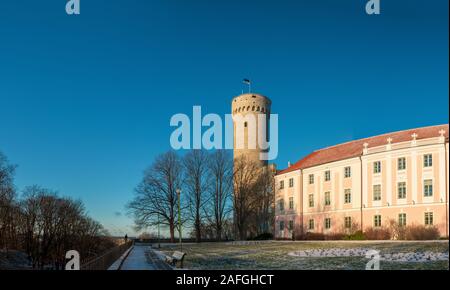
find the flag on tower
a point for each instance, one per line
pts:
(246, 81)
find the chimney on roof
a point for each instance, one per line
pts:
(389, 143)
(289, 164)
(442, 136)
(414, 140)
(366, 148)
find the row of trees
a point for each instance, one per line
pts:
(220, 198)
(44, 225)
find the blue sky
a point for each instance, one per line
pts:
(85, 101)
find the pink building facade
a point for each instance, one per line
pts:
(400, 176)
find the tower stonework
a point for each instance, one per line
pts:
(243, 106)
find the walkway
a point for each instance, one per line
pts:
(140, 257)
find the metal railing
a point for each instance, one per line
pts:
(106, 260)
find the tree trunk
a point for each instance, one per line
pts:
(172, 232)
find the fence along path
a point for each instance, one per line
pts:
(106, 260)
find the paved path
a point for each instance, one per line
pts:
(137, 259)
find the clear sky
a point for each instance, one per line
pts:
(85, 101)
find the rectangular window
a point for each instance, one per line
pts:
(401, 190)
(327, 198)
(402, 219)
(377, 167)
(282, 184)
(377, 192)
(327, 175)
(311, 179)
(377, 221)
(291, 203)
(291, 182)
(427, 160)
(429, 218)
(311, 200)
(327, 223)
(428, 187)
(348, 196)
(281, 204)
(347, 172)
(282, 226)
(311, 224)
(401, 163)
(291, 225)
(348, 222)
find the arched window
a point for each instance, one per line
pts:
(258, 109)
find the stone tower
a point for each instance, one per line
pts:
(243, 106)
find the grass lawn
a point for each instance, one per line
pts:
(273, 255)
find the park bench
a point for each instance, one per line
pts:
(176, 258)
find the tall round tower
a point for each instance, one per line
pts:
(247, 107)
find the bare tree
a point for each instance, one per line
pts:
(51, 225)
(219, 206)
(7, 203)
(196, 181)
(264, 207)
(245, 176)
(156, 198)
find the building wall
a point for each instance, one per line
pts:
(363, 206)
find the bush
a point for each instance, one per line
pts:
(334, 236)
(356, 236)
(420, 232)
(377, 234)
(263, 237)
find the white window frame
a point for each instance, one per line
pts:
(311, 200)
(376, 197)
(377, 167)
(348, 192)
(327, 196)
(327, 175)
(311, 224)
(401, 190)
(428, 188)
(327, 223)
(401, 163)
(377, 221)
(429, 218)
(428, 160)
(348, 172)
(402, 219)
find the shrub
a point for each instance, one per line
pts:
(356, 236)
(421, 232)
(377, 233)
(398, 232)
(263, 236)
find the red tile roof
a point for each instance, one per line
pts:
(354, 148)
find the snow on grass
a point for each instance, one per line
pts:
(280, 255)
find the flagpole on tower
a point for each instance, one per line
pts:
(249, 83)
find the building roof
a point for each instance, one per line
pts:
(355, 148)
